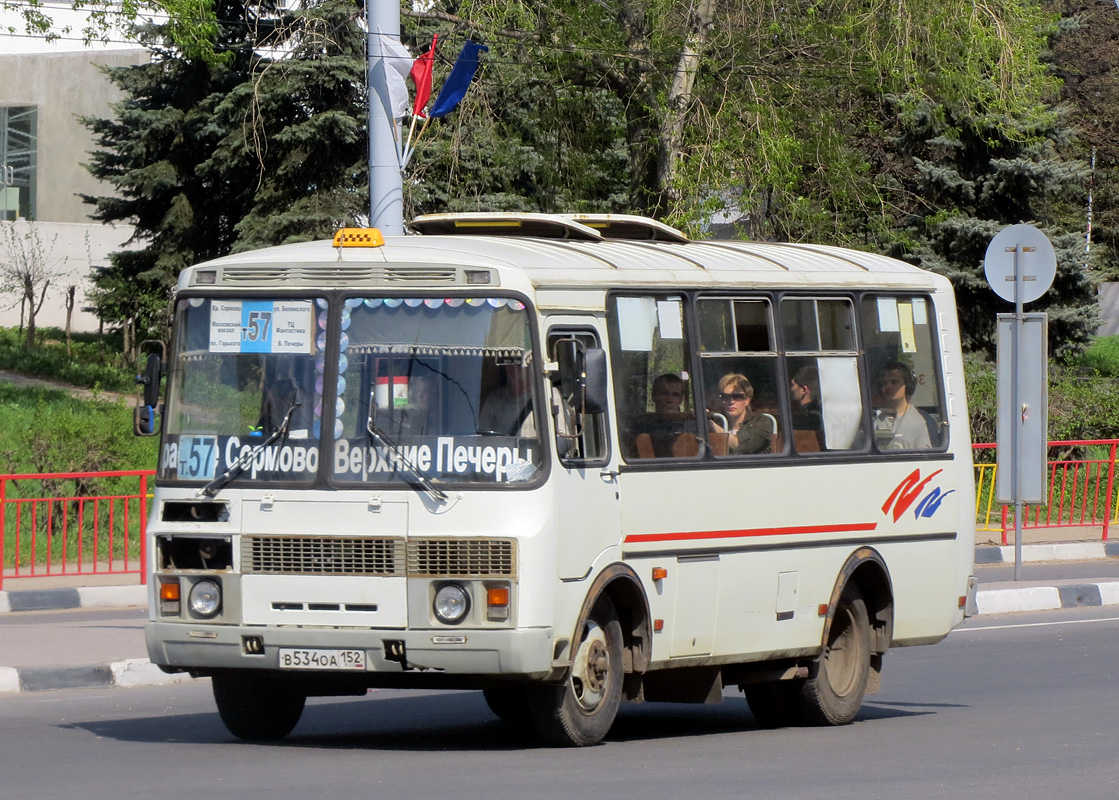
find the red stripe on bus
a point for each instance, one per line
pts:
(792, 531)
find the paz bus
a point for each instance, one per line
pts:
(449, 460)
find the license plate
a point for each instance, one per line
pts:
(349, 660)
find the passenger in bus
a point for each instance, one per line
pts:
(898, 424)
(507, 410)
(804, 389)
(668, 393)
(747, 431)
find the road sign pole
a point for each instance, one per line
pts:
(1016, 405)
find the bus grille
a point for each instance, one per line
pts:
(329, 555)
(473, 558)
(321, 555)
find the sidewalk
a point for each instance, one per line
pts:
(42, 649)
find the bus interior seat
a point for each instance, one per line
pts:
(806, 441)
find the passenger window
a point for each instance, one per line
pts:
(738, 357)
(825, 392)
(652, 387)
(904, 370)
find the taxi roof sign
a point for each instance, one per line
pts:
(358, 237)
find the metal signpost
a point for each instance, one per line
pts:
(1020, 264)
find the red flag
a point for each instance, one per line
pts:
(421, 77)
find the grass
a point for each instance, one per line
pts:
(49, 431)
(1101, 356)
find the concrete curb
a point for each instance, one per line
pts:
(127, 674)
(1046, 598)
(1067, 551)
(84, 597)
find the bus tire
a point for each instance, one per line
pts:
(834, 690)
(509, 703)
(581, 710)
(257, 707)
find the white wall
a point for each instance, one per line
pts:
(70, 260)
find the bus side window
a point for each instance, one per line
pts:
(738, 354)
(825, 391)
(905, 375)
(652, 388)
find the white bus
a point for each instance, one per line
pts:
(566, 460)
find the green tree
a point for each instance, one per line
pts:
(976, 174)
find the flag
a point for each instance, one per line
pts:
(462, 73)
(421, 78)
(397, 62)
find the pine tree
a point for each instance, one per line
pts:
(973, 176)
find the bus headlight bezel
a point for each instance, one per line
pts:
(204, 599)
(451, 603)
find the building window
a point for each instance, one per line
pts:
(18, 140)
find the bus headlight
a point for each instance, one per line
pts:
(451, 604)
(205, 599)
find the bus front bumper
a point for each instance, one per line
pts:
(205, 648)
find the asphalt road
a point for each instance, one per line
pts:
(1020, 706)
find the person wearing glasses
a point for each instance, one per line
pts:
(747, 431)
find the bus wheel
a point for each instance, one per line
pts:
(509, 703)
(833, 695)
(257, 707)
(580, 711)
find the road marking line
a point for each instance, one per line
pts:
(1034, 625)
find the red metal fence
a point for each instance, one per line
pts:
(73, 523)
(93, 523)
(1081, 490)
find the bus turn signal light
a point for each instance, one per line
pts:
(497, 603)
(169, 597)
(659, 573)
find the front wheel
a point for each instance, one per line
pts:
(834, 691)
(257, 707)
(581, 710)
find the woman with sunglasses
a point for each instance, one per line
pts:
(747, 431)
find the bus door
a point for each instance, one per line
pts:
(585, 478)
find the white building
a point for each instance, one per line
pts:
(43, 149)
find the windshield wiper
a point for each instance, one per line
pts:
(216, 485)
(421, 480)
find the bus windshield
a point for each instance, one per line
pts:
(240, 369)
(439, 386)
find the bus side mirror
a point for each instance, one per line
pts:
(144, 415)
(150, 379)
(594, 381)
(582, 376)
(143, 420)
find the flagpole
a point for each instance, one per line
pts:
(386, 193)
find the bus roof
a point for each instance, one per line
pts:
(564, 252)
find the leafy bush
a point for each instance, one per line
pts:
(1082, 402)
(95, 361)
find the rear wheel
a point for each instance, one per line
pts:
(257, 707)
(834, 691)
(580, 711)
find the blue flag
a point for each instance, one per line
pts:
(462, 73)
